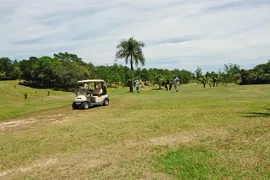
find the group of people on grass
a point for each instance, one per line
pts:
(175, 82)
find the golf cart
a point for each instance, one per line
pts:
(87, 96)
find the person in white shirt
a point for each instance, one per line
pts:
(97, 91)
(176, 79)
(137, 86)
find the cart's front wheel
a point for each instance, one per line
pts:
(85, 105)
(74, 106)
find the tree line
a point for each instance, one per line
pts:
(63, 70)
(232, 73)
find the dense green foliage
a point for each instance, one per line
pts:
(63, 70)
(260, 74)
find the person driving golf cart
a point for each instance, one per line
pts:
(97, 91)
(86, 97)
(104, 88)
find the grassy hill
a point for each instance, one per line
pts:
(13, 102)
(197, 133)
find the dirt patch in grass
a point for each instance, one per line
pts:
(172, 139)
(39, 164)
(182, 137)
(16, 123)
(68, 163)
(55, 118)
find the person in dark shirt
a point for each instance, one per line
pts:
(104, 88)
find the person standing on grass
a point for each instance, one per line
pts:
(176, 79)
(137, 86)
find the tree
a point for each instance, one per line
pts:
(5, 68)
(159, 80)
(43, 71)
(16, 72)
(204, 80)
(125, 76)
(131, 51)
(137, 73)
(230, 71)
(103, 73)
(91, 68)
(213, 78)
(144, 75)
(198, 73)
(67, 57)
(27, 68)
(152, 73)
(237, 78)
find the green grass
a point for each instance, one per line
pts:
(202, 163)
(14, 104)
(197, 133)
(190, 163)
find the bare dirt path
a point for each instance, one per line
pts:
(56, 115)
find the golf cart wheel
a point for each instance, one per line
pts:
(74, 106)
(85, 105)
(106, 102)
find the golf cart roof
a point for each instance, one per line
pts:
(91, 80)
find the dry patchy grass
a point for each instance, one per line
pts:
(138, 134)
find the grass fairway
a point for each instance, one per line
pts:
(197, 133)
(14, 104)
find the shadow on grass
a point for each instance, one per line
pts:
(90, 107)
(259, 114)
(157, 89)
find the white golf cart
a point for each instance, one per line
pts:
(87, 96)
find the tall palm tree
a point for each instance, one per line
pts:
(131, 51)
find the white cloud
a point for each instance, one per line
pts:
(224, 31)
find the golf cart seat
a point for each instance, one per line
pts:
(97, 92)
(96, 95)
(96, 99)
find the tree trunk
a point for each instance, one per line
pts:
(131, 68)
(203, 85)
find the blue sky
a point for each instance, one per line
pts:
(180, 34)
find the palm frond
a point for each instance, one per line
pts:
(126, 60)
(131, 48)
(141, 44)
